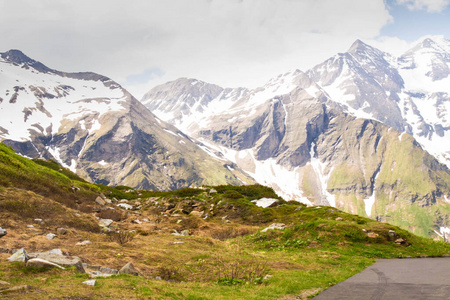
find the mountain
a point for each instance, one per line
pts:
(335, 135)
(409, 93)
(92, 125)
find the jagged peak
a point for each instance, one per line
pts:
(16, 56)
(358, 45)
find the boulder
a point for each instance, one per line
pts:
(61, 231)
(42, 263)
(2, 232)
(65, 261)
(105, 222)
(100, 201)
(89, 282)
(372, 235)
(196, 213)
(339, 219)
(129, 269)
(19, 255)
(50, 236)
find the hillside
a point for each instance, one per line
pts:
(208, 243)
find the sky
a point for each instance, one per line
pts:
(231, 43)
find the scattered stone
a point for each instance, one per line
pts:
(89, 282)
(176, 215)
(59, 259)
(61, 231)
(372, 235)
(30, 226)
(42, 263)
(401, 241)
(55, 251)
(2, 232)
(14, 289)
(265, 202)
(137, 221)
(102, 196)
(393, 235)
(105, 222)
(125, 206)
(19, 255)
(267, 277)
(83, 243)
(212, 191)
(109, 201)
(4, 285)
(364, 230)
(146, 220)
(280, 226)
(298, 208)
(129, 269)
(38, 220)
(50, 236)
(123, 201)
(175, 243)
(321, 225)
(158, 278)
(197, 213)
(179, 221)
(339, 219)
(182, 233)
(100, 201)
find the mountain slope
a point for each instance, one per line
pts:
(319, 137)
(95, 127)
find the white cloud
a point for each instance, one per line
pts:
(228, 42)
(431, 6)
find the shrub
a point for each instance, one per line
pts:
(121, 237)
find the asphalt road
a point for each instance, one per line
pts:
(396, 279)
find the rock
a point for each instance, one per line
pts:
(30, 226)
(197, 213)
(265, 202)
(102, 196)
(15, 289)
(280, 226)
(137, 221)
(83, 243)
(61, 231)
(4, 285)
(55, 251)
(42, 263)
(2, 232)
(184, 232)
(267, 277)
(129, 269)
(212, 191)
(108, 270)
(321, 225)
(125, 206)
(65, 261)
(393, 235)
(105, 222)
(38, 220)
(401, 241)
(109, 201)
(372, 235)
(100, 201)
(90, 282)
(19, 255)
(50, 236)
(339, 219)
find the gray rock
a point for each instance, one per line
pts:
(83, 243)
(55, 251)
(129, 269)
(273, 226)
(65, 261)
(42, 263)
(2, 232)
(4, 284)
(90, 282)
(50, 236)
(100, 201)
(19, 255)
(105, 222)
(61, 231)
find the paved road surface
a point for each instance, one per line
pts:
(396, 279)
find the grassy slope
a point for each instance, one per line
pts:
(219, 260)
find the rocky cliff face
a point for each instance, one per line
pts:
(92, 125)
(336, 135)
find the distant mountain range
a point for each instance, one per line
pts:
(349, 133)
(92, 125)
(364, 131)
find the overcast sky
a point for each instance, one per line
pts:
(228, 42)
